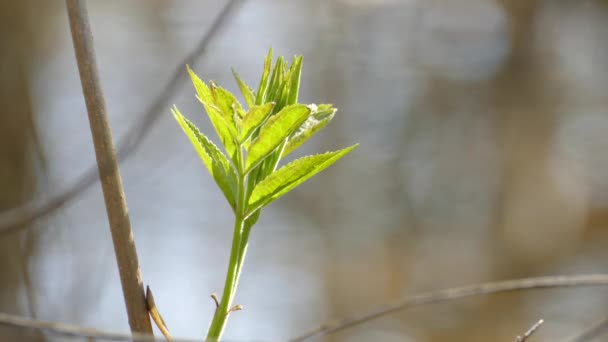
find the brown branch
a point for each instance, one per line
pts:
(529, 332)
(60, 329)
(14, 220)
(111, 183)
(585, 280)
(596, 330)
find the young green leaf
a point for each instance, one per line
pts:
(226, 102)
(294, 80)
(263, 87)
(223, 125)
(245, 90)
(282, 93)
(214, 160)
(291, 175)
(276, 80)
(254, 118)
(225, 131)
(202, 90)
(315, 122)
(274, 132)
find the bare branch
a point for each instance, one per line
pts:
(60, 329)
(595, 330)
(584, 280)
(14, 220)
(111, 183)
(530, 332)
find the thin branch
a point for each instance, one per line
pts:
(595, 330)
(530, 332)
(111, 183)
(14, 220)
(66, 330)
(584, 280)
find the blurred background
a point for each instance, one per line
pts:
(482, 130)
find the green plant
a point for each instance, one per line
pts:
(255, 141)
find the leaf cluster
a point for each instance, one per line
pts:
(257, 138)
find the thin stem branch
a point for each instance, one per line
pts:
(529, 332)
(584, 280)
(111, 183)
(67, 330)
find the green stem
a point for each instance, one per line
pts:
(221, 313)
(242, 252)
(236, 258)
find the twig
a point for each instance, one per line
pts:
(530, 331)
(111, 183)
(457, 293)
(597, 329)
(156, 316)
(61, 329)
(584, 280)
(14, 220)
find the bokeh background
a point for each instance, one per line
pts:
(482, 129)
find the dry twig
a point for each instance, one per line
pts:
(457, 293)
(14, 220)
(583, 280)
(111, 183)
(530, 332)
(65, 330)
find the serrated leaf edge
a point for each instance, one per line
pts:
(223, 165)
(249, 164)
(258, 201)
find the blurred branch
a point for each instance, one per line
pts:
(19, 218)
(584, 280)
(111, 183)
(73, 331)
(596, 330)
(530, 332)
(450, 294)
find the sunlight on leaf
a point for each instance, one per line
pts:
(263, 87)
(274, 132)
(276, 80)
(315, 122)
(254, 118)
(294, 80)
(214, 160)
(223, 126)
(226, 102)
(292, 175)
(246, 91)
